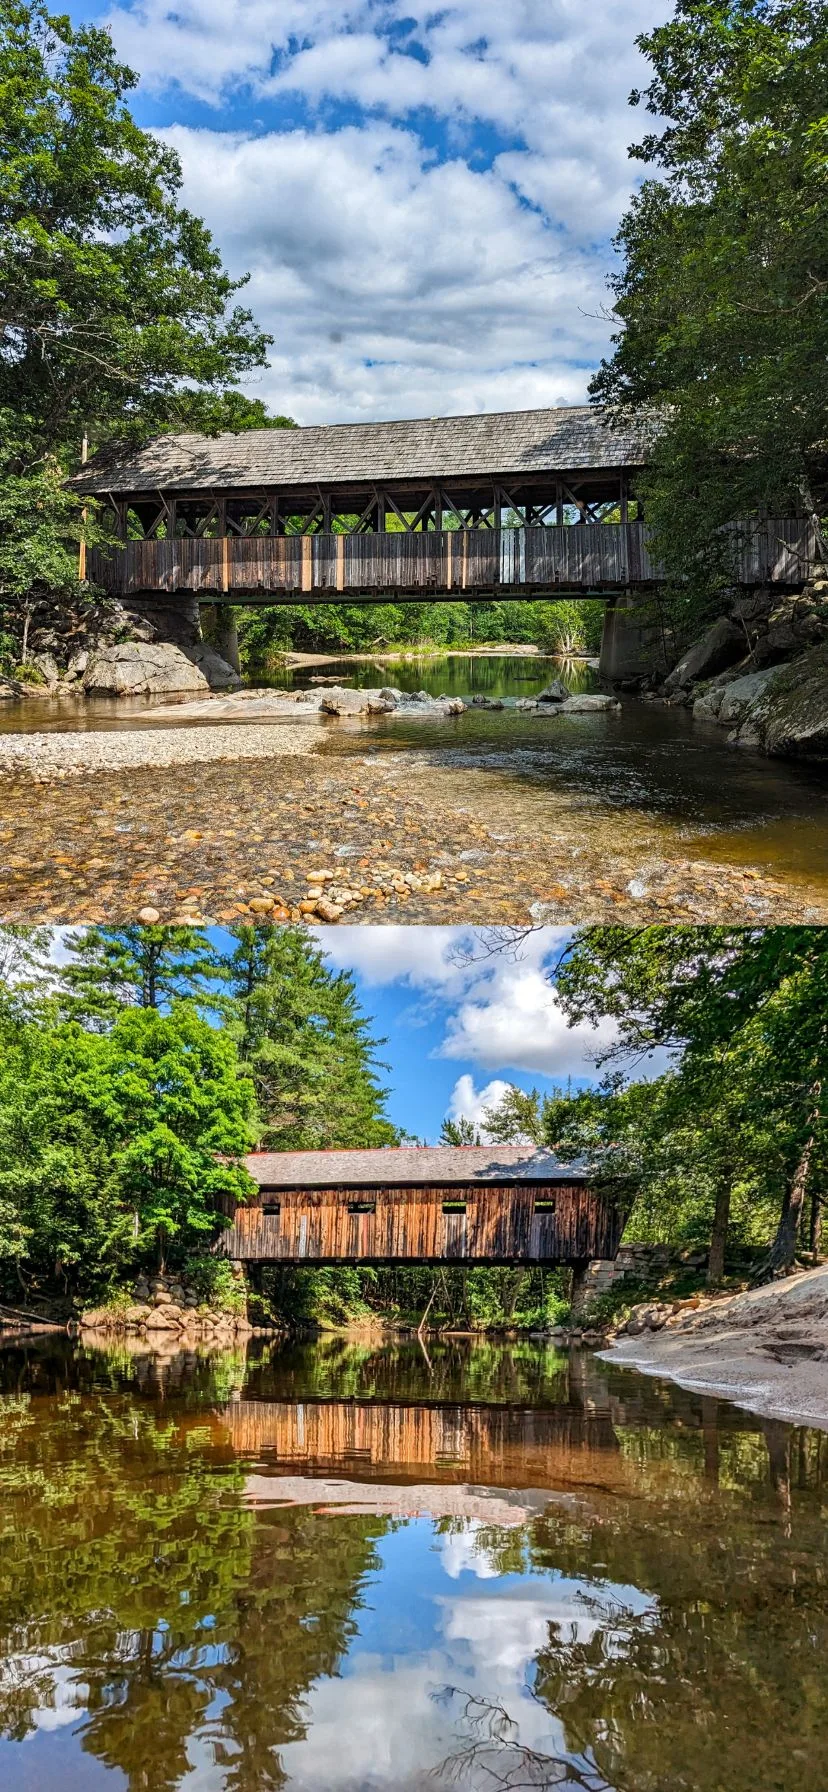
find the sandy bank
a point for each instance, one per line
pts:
(766, 1349)
(48, 756)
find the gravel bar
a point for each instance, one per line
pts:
(49, 756)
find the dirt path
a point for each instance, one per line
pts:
(766, 1350)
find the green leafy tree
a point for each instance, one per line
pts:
(116, 1145)
(148, 967)
(111, 294)
(304, 1042)
(723, 293)
(745, 1013)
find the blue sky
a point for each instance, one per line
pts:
(460, 1022)
(424, 195)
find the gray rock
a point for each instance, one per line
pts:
(391, 694)
(721, 645)
(78, 664)
(706, 708)
(556, 692)
(792, 713)
(577, 706)
(526, 703)
(338, 702)
(47, 666)
(144, 668)
(738, 696)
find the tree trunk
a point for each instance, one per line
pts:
(718, 1236)
(783, 1250)
(816, 1222)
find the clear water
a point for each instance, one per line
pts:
(348, 1567)
(508, 675)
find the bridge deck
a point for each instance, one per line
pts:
(529, 561)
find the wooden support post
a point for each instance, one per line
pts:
(84, 515)
(559, 504)
(624, 508)
(381, 513)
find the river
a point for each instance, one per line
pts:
(636, 813)
(352, 1566)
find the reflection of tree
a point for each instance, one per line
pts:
(492, 1754)
(128, 1557)
(734, 1642)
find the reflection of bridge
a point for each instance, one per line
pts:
(520, 504)
(421, 1204)
(494, 1446)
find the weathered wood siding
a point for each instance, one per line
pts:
(489, 1445)
(501, 1224)
(584, 556)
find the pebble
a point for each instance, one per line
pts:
(213, 842)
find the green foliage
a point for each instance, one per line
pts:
(304, 1042)
(118, 318)
(732, 1136)
(116, 967)
(723, 295)
(560, 627)
(115, 1146)
(113, 295)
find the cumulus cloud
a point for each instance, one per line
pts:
(469, 1103)
(433, 236)
(513, 1018)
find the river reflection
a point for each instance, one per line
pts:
(358, 1567)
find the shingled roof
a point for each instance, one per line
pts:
(409, 1166)
(500, 445)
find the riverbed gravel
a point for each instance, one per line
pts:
(49, 756)
(315, 838)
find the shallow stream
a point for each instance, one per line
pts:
(612, 799)
(358, 1567)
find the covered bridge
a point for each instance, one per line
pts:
(421, 1204)
(485, 505)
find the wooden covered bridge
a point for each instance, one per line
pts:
(521, 503)
(507, 1204)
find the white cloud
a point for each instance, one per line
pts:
(514, 1020)
(392, 284)
(468, 1103)
(501, 1010)
(397, 282)
(423, 957)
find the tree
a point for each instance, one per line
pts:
(111, 295)
(147, 967)
(115, 1145)
(745, 1013)
(723, 294)
(304, 1042)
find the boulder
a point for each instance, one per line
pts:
(720, 646)
(155, 668)
(556, 692)
(47, 666)
(791, 713)
(586, 705)
(339, 702)
(741, 694)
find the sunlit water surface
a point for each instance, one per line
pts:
(639, 779)
(352, 1568)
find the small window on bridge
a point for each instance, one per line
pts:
(271, 1209)
(362, 1206)
(454, 1206)
(544, 1207)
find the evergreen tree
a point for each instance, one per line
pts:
(305, 1043)
(134, 966)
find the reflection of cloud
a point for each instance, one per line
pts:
(382, 1727)
(62, 1695)
(463, 1552)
